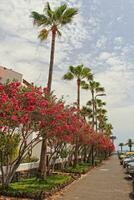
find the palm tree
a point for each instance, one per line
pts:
(86, 112)
(101, 118)
(80, 73)
(107, 129)
(130, 144)
(95, 89)
(121, 146)
(50, 22)
(99, 111)
(99, 103)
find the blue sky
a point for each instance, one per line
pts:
(101, 37)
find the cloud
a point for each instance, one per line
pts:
(20, 47)
(104, 56)
(101, 43)
(123, 123)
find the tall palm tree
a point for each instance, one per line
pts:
(80, 73)
(50, 22)
(130, 144)
(121, 146)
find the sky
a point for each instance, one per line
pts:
(101, 37)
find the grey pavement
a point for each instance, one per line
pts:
(102, 183)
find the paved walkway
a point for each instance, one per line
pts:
(104, 183)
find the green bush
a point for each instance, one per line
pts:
(8, 148)
(33, 185)
(80, 168)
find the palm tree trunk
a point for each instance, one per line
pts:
(78, 93)
(76, 152)
(92, 155)
(85, 154)
(49, 84)
(93, 102)
(130, 147)
(42, 170)
(96, 121)
(78, 106)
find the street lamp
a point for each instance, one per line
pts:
(103, 94)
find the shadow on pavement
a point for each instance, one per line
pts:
(128, 178)
(131, 196)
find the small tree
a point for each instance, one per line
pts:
(130, 144)
(17, 105)
(121, 146)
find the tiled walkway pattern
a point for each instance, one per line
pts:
(104, 183)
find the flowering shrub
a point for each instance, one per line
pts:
(23, 111)
(26, 110)
(16, 125)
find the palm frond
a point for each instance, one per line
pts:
(39, 19)
(89, 103)
(59, 33)
(89, 77)
(100, 103)
(48, 10)
(78, 71)
(68, 15)
(100, 89)
(86, 71)
(68, 76)
(43, 35)
(85, 111)
(84, 86)
(121, 144)
(72, 69)
(59, 11)
(83, 83)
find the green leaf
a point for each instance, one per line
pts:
(39, 19)
(68, 76)
(59, 11)
(59, 33)
(68, 15)
(48, 10)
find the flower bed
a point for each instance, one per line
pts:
(79, 169)
(31, 188)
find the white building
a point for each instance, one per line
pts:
(9, 74)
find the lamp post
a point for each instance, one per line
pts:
(102, 94)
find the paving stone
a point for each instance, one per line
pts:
(104, 183)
